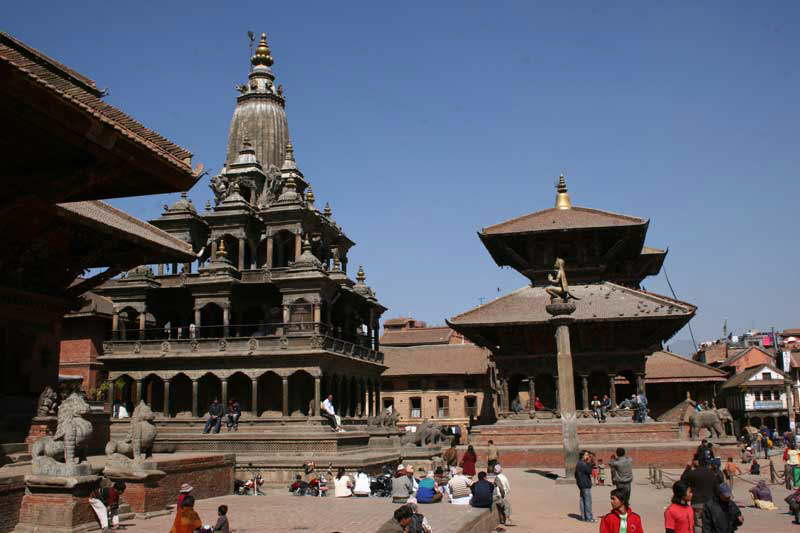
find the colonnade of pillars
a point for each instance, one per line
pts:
(612, 390)
(367, 400)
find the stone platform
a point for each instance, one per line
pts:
(525, 432)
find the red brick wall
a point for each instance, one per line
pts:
(11, 492)
(210, 475)
(752, 358)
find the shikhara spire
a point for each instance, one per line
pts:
(262, 54)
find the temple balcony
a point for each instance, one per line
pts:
(238, 340)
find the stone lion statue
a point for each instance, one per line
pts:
(384, 420)
(62, 453)
(48, 402)
(713, 420)
(140, 437)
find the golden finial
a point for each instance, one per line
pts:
(262, 55)
(221, 253)
(290, 184)
(289, 151)
(327, 211)
(360, 276)
(310, 196)
(562, 198)
(306, 245)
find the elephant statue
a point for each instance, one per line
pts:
(427, 434)
(713, 420)
(384, 421)
(64, 452)
(140, 437)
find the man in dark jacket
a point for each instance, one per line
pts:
(215, 413)
(583, 478)
(721, 514)
(703, 482)
(622, 472)
(482, 492)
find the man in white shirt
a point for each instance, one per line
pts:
(502, 490)
(329, 412)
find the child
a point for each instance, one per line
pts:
(601, 474)
(222, 521)
(596, 474)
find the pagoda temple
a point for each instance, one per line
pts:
(265, 314)
(617, 324)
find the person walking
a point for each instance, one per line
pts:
(721, 514)
(622, 472)
(450, 457)
(492, 456)
(621, 519)
(187, 519)
(730, 471)
(583, 478)
(679, 516)
(702, 482)
(214, 417)
(502, 491)
(468, 461)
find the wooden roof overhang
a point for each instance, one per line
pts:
(63, 143)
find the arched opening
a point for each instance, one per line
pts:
(153, 392)
(517, 390)
(301, 393)
(283, 251)
(123, 395)
(627, 389)
(270, 395)
(180, 396)
(209, 388)
(546, 390)
(240, 389)
(211, 320)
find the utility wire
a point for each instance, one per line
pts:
(664, 269)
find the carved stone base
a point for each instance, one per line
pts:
(142, 491)
(41, 426)
(58, 505)
(49, 467)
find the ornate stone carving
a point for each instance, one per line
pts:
(223, 345)
(427, 435)
(137, 347)
(108, 348)
(252, 346)
(138, 443)
(193, 345)
(284, 342)
(317, 342)
(64, 453)
(48, 402)
(384, 421)
(165, 347)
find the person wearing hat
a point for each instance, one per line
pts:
(502, 491)
(721, 514)
(184, 491)
(402, 486)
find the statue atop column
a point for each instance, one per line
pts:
(560, 287)
(64, 453)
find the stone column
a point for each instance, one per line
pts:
(138, 393)
(285, 399)
(224, 392)
(298, 245)
(378, 408)
(612, 389)
(531, 392)
(214, 249)
(585, 391)
(505, 396)
(640, 383)
(370, 399)
(226, 321)
(268, 263)
(317, 396)
(566, 384)
(166, 397)
(254, 397)
(241, 255)
(142, 322)
(316, 316)
(194, 398)
(115, 326)
(558, 394)
(359, 398)
(161, 269)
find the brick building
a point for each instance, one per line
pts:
(760, 395)
(435, 373)
(82, 334)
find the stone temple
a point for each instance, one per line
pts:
(266, 314)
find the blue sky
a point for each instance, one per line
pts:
(423, 122)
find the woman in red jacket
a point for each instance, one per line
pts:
(468, 461)
(621, 519)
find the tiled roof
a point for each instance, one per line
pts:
(119, 224)
(399, 321)
(94, 304)
(435, 359)
(560, 219)
(598, 301)
(715, 352)
(414, 336)
(662, 367)
(740, 379)
(82, 92)
(733, 357)
(791, 332)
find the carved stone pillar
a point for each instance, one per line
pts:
(166, 398)
(213, 249)
(197, 315)
(194, 398)
(378, 407)
(640, 383)
(226, 321)
(558, 394)
(268, 263)
(585, 391)
(224, 393)
(612, 389)
(115, 325)
(317, 316)
(241, 255)
(142, 323)
(317, 397)
(532, 392)
(254, 397)
(359, 398)
(298, 245)
(138, 392)
(505, 396)
(285, 398)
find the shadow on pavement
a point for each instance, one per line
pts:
(543, 473)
